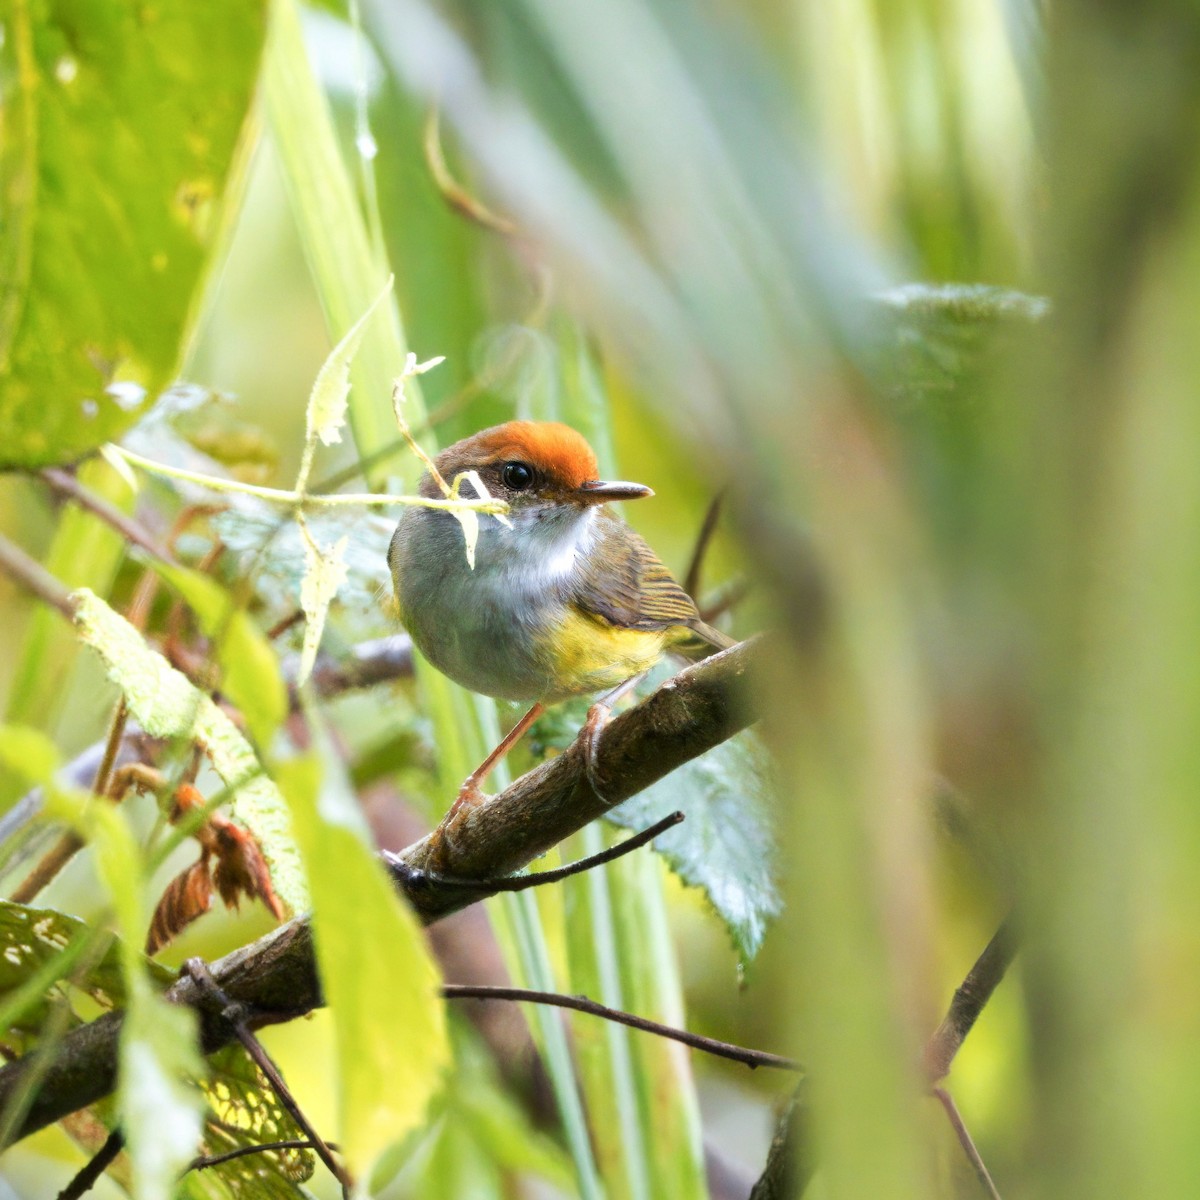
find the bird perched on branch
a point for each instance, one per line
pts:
(563, 600)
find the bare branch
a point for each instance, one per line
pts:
(691, 581)
(68, 485)
(89, 1176)
(521, 883)
(969, 1000)
(965, 1140)
(742, 1054)
(215, 1160)
(33, 577)
(238, 1016)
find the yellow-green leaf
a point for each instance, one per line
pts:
(121, 127)
(250, 674)
(324, 572)
(378, 976)
(167, 705)
(327, 403)
(28, 753)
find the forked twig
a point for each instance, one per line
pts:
(236, 1015)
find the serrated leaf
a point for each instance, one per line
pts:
(275, 551)
(244, 1111)
(250, 674)
(326, 413)
(167, 705)
(120, 137)
(325, 571)
(726, 846)
(377, 974)
(936, 338)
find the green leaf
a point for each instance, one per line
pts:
(324, 572)
(934, 339)
(344, 265)
(326, 412)
(250, 674)
(167, 705)
(726, 846)
(28, 753)
(120, 139)
(377, 974)
(161, 1107)
(39, 947)
(159, 1059)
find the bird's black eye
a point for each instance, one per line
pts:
(516, 476)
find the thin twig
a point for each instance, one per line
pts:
(281, 626)
(452, 192)
(66, 483)
(969, 1000)
(520, 883)
(34, 578)
(132, 775)
(728, 596)
(69, 844)
(966, 1142)
(750, 1058)
(691, 581)
(236, 1015)
(89, 1176)
(215, 1160)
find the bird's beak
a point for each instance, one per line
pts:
(594, 491)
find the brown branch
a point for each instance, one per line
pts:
(34, 578)
(215, 1160)
(969, 1001)
(521, 883)
(742, 1054)
(378, 661)
(790, 1150)
(68, 485)
(238, 1015)
(90, 1174)
(965, 1140)
(691, 581)
(276, 977)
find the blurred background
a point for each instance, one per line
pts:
(910, 285)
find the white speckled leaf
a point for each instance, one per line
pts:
(167, 705)
(325, 571)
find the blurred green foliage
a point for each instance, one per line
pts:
(911, 283)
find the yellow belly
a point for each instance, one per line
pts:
(590, 655)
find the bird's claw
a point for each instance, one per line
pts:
(598, 717)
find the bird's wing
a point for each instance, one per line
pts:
(622, 581)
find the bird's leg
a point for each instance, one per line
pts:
(597, 718)
(471, 793)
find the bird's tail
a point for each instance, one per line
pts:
(698, 639)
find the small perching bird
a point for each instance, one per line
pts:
(563, 600)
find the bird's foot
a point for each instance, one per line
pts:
(470, 796)
(598, 716)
